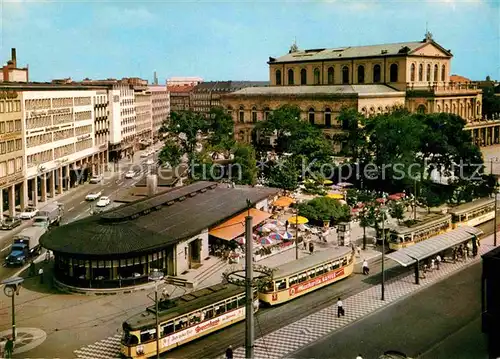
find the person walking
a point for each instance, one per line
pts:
(40, 274)
(340, 308)
(9, 348)
(438, 261)
(366, 270)
(229, 352)
(286, 225)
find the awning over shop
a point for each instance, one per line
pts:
(235, 227)
(432, 246)
(283, 202)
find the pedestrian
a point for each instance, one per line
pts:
(432, 264)
(9, 348)
(286, 225)
(311, 247)
(229, 352)
(340, 308)
(438, 261)
(32, 270)
(40, 274)
(305, 244)
(2, 347)
(366, 270)
(358, 248)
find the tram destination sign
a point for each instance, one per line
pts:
(205, 326)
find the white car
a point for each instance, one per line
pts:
(96, 179)
(103, 201)
(130, 174)
(92, 196)
(28, 213)
(150, 162)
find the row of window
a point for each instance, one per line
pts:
(37, 122)
(10, 167)
(430, 76)
(63, 118)
(101, 112)
(10, 126)
(37, 104)
(345, 72)
(127, 111)
(62, 102)
(99, 100)
(40, 157)
(38, 140)
(63, 134)
(63, 151)
(83, 101)
(127, 102)
(101, 125)
(82, 116)
(10, 106)
(11, 146)
(83, 145)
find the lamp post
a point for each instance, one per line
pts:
(249, 315)
(383, 252)
(495, 215)
(156, 276)
(11, 289)
(297, 234)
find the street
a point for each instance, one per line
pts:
(75, 205)
(442, 321)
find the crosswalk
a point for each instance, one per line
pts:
(287, 340)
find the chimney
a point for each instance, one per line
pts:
(13, 57)
(155, 79)
(152, 184)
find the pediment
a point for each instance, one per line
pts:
(430, 49)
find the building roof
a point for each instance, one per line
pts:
(227, 86)
(350, 52)
(180, 88)
(153, 223)
(235, 226)
(38, 86)
(332, 90)
(458, 78)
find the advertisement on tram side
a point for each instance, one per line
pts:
(315, 282)
(203, 327)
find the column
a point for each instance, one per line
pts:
(68, 178)
(43, 182)
(52, 183)
(12, 201)
(60, 180)
(35, 191)
(24, 194)
(1, 204)
(492, 129)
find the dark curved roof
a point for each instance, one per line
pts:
(153, 223)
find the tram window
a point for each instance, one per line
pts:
(241, 301)
(302, 277)
(336, 264)
(269, 287)
(181, 323)
(208, 313)
(280, 284)
(344, 261)
(195, 318)
(148, 335)
(330, 266)
(320, 270)
(293, 280)
(311, 273)
(167, 329)
(220, 309)
(232, 304)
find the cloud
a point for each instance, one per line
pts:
(118, 16)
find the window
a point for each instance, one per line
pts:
(412, 72)
(292, 280)
(3, 148)
(2, 106)
(303, 77)
(17, 125)
(290, 77)
(231, 304)
(420, 72)
(443, 73)
(266, 113)
(436, 73)
(167, 329)
(361, 74)
(10, 126)
(328, 117)
(254, 115)
(19, 164)
(376, 74)
(311, 116)
(148, 335)
(393, 76)
(280, 284)
(2, 127)
(345, 75)
(241, 114)
(19, 144)
(11, 167)
(421, 109)
(317, 79)
(3, 169)
(331, 77)
(278, 77)
(428, 74)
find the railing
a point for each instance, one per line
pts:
(443, 87)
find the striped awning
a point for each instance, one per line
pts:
(432, 246)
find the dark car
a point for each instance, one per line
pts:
(10, 223)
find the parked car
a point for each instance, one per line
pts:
(130, 174)
(96, 179)
(28, 213)
(103, 201)
(92, 196)
(10, 223)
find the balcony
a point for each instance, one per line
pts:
(446, 88)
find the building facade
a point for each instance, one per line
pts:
(180, 97)
(160, 100)
(101, 121)
(144, 116)
(371, 79)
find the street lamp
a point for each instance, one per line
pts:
(156, 276)
(495, 215)
(11, 289)
(382, 210)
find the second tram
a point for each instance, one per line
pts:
(473, 213)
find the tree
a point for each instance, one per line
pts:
(429, 197)
(366, 219)
(186, 127)
(354, 136)
(322, 209)
(171, 153)
(221, 127)
(245, 163)
(283, 175)
(397, 210)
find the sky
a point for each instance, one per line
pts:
(232, 40)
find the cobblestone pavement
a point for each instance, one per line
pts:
(291, 338)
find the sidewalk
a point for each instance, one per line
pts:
(284, 342)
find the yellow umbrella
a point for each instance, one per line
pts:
(335, 195)
(297, 220)
(327, 182)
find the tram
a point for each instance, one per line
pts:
(430, 226)
(184, 319)
(307, 274)
(473, 213)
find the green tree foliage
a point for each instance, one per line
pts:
(366, 219)
(171, 153)
(353, 139)
(244, 166)
(220, 127)
(187, 126)
(283, 175)
(397, 210)
(491, 101)
(322, 209)
(429, 196)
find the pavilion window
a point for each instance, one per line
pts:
(361, 74)
(393, 73)
(278, 77)
(345, 75)
(328, 117)
(412, 72)
(436, 73)
(317, 79)
(290, 77)
(428, 74)
(376, 74)
(443, 73)
(331, 77)
(303, 77)
(420, 72)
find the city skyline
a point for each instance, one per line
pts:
(231, 41)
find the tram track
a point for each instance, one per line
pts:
(271, 319)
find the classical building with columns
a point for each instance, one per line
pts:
(371, 79)
(56, 138)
